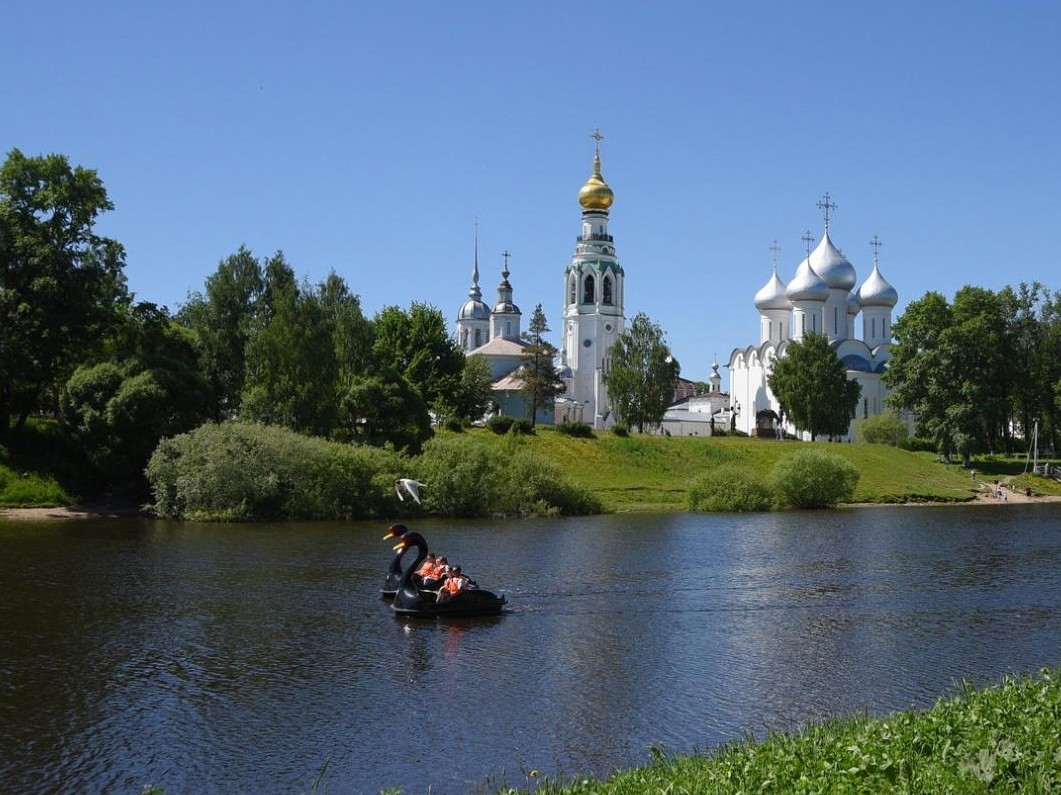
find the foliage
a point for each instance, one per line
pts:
(385, 409)
(813, 389)
(468, 477)
(884, 428)
(502, 424)
(1002, 738)
(620, 430)
(541, 487)
(729, 487)
(417, 345)
(812, 478)
(223, 318)
(61, 284)
(542, 382)
(30, 490)
(292, 369)
(238, 471)
(581, 430)
(475, 392)
(118, 410)
(641, 377)
(974, 369)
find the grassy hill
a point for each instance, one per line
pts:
(652, 473)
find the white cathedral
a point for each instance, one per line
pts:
(593, 320)
(820, 298)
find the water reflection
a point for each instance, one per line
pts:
(219, 659)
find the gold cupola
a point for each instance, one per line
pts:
(595, 194)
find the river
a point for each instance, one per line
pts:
(226, 658)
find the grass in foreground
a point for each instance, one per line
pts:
(1001, 739)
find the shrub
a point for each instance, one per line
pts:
(621, 430)
(884, 428)
(539, 486)
(465, 477)
(729, 487)
(580, 430)
(813, 478)
(242, 471)
(919, 444)
(501, 424)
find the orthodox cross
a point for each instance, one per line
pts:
(826, 205)
(506, 255)
(776, 249)
(875, 242)
(598, 138)
(808, 238)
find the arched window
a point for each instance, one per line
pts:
(571, 290)
(587, 291)
(478, 337)
(606, 290)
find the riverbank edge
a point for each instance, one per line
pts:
(73, 512)
(1001, 736)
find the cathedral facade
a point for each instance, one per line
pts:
(820, 298)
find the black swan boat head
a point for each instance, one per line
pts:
(394, 573)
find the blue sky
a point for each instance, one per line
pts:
(368, 137)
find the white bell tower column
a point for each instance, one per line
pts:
(593, 302)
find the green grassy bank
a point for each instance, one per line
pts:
(652, 473)
(634, 473)
(1004, 738)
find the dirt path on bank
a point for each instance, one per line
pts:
(70, 512)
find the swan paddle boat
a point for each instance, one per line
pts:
(410, 600)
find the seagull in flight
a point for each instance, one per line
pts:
(412, 487)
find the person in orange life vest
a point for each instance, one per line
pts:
(455, 584)
(427, 568)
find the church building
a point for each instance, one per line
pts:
(495, 335)
(593, 320)
(820, 298)
(593, 308)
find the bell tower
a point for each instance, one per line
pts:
(593, 302)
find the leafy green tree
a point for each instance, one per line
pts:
(291, 363)
(119, 410)
(1033, 328)
(642, 374)
(476, 390)
(385, 409)
(542, 382)
(812, 387)
(351, 331)
(61, 284)
(957, 368)
(417, 345)
(223, 319)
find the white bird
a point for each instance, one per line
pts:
(411, 486)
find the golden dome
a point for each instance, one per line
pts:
(595, 194)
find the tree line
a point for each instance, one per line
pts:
(255, 342)
(980, 371)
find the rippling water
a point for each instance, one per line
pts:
(224, 659)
